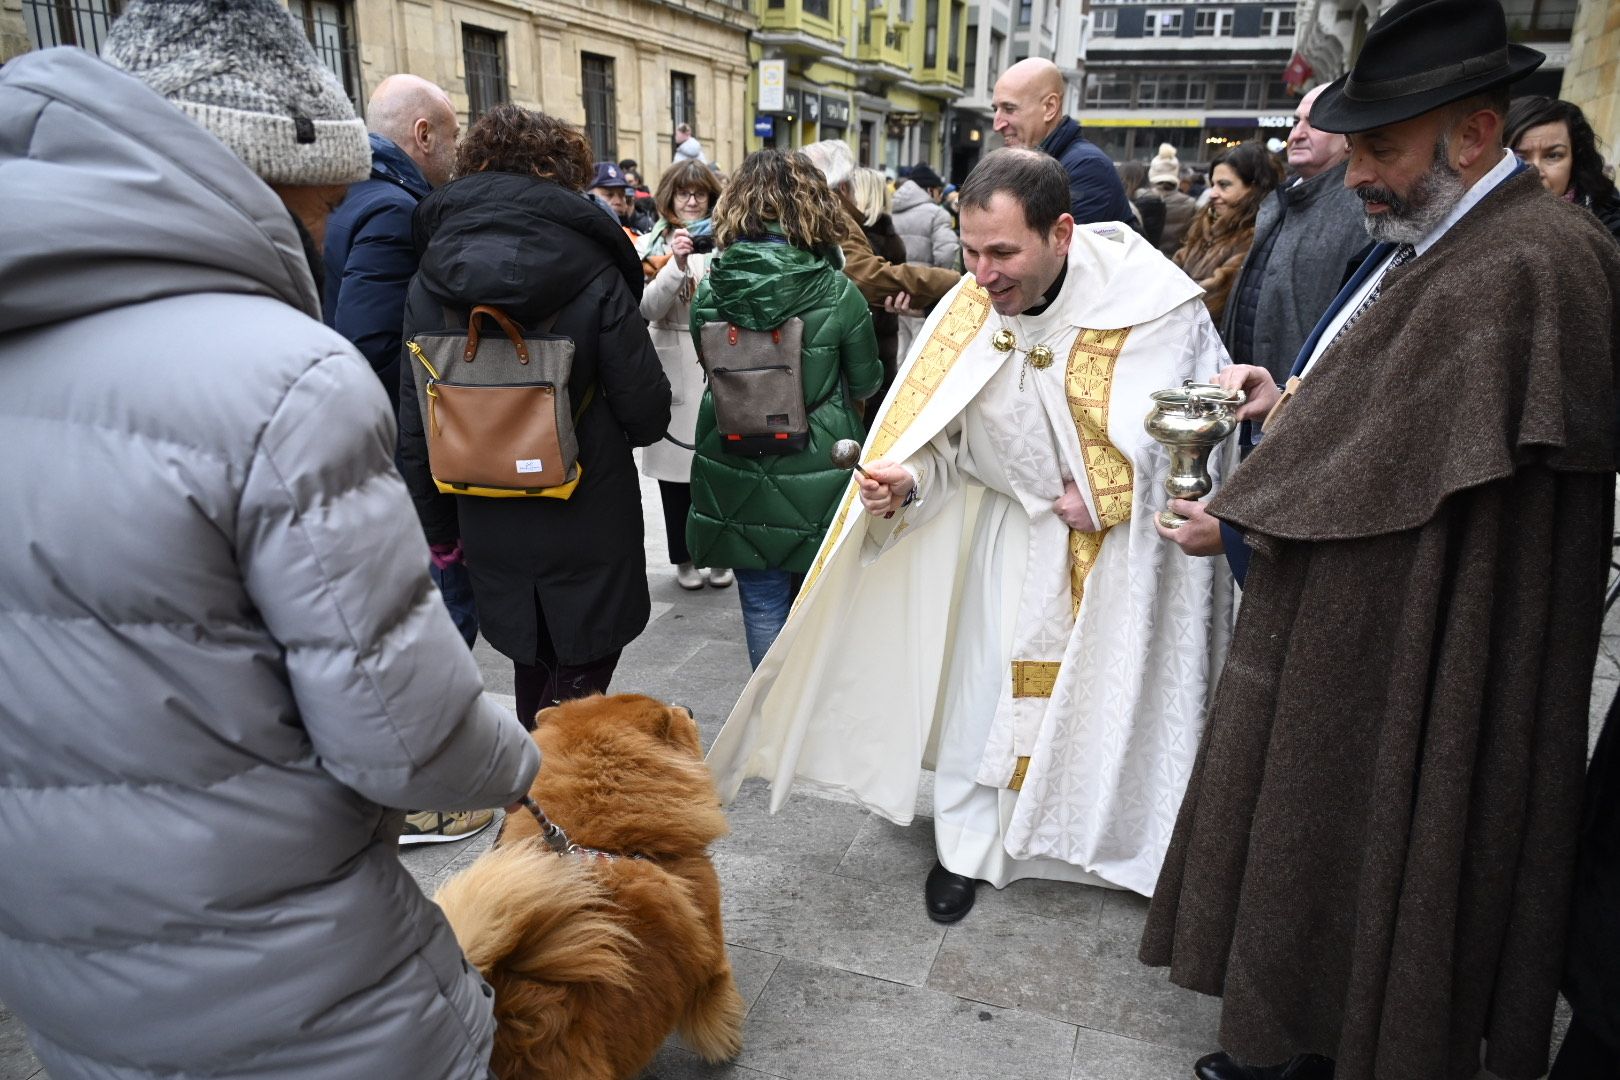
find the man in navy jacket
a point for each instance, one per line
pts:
(369, 257)
(1028, 102)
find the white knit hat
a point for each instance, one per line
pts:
(1166, 167)
(244, 70)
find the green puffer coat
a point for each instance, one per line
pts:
(769, 513)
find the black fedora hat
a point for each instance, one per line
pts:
(1418, 56)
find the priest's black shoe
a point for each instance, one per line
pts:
(950, 896)
(1219, 1066)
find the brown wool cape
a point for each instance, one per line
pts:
(1374, 857)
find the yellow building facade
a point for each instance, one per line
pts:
(879, 74)
(628, 71)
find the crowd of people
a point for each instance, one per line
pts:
(1357, 808)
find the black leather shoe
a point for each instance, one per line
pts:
(950, 896)
(1220, 1066)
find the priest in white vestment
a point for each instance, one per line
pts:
(993, 599)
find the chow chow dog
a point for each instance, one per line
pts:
(596, 956)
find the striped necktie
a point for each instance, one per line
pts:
(1403, 255)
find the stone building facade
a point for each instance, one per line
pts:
(1592, 79)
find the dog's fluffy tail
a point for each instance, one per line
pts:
(524, 911)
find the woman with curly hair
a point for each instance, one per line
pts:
(1222, 233)
(685, 198)
(560, 584)
(1555, 138)
(779, 226)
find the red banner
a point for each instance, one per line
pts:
(1297, 73)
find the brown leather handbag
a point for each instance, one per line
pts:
(497, 409)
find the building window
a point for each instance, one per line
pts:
(931, 34)
(1235, 92)
(600, 110)
(1539, 16)
(1212, 24)
(957, 10)
(1169, 91)
(1104, 22)
(1277, 23)
(776, 5)
(970, 74)
(1279, 97)
(1162, 24)
(328, 25)
(1025, 8)
(682, 100)
(70, 22)
(485, 54)
(818, 8)
(1108, 91)
(998, 45)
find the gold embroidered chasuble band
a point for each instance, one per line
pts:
(1034, 678)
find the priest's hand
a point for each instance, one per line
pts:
(1200, 534)
(1259, 389)
(1071, 508)
(884, 486)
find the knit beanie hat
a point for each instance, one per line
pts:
(244, 71)
(1166, 167)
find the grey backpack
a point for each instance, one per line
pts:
(757, 384)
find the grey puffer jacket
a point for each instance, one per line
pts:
(925, 226)
(223, 656)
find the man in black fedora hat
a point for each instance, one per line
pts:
(1372, 863)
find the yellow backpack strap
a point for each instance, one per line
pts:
(432, 394)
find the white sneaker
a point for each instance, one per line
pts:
(688, 576)
(721, 578)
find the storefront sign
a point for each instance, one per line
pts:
(835, 111)
(812, 107)
(772, 85)
(765, 126)
(790, 102)
(1276, 121)
(1137, 122)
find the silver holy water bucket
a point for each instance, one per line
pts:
(1191, 421)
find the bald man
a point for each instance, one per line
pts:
(1028, 103)
(369, 258)
(1305, 236)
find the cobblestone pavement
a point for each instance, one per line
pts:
(845, 976)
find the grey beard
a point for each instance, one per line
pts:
(1408, 220)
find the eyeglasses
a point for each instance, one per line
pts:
(691, 196)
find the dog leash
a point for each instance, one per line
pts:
(558, 841)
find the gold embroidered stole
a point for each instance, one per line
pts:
(1089, 382)
(952, 335)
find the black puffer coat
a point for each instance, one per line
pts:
(531, 248)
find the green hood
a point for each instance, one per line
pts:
(760, 286)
